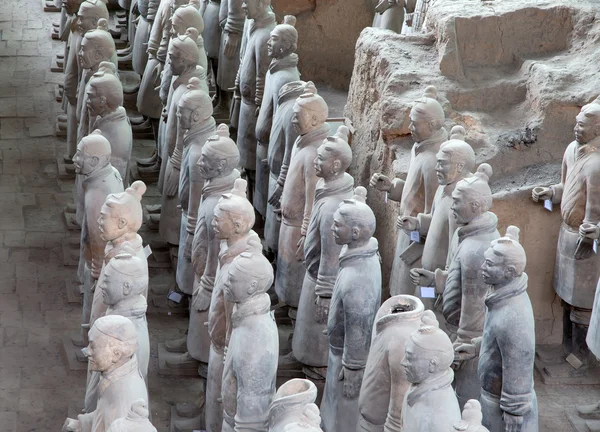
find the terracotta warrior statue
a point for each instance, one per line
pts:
(455, 161)
(310, 113)
(354, 304)
(136, 419)
(389, 14)
(416, 193)
(185, 17)
(577, 267)
(87, 17)
(183, 54)
(250, 369)
(430, 404)
(282, 139)
(471, 418)
(123, 283)
(232, 23)
(148, 99)
(98, 180)
(250, 80)
(183, 181)
(289, 403)
(507, 348)
(97, 46)
(216, 166)
(210, 10)
(462, 287)
(232, 226)
(105, 106)
(309, 422)
(281, 48)
(111, 351)
(139, 53)
(120, 220)
(321, 252)
(384, 382)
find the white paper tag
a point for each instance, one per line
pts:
(548, 205)
(595, 246)
(427, 292)
(175, 296)
(386, 197)
(147, 251)
(414, 236)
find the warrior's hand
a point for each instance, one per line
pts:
(171, 180)
(465, 352)
(589, 231)
(71, 425)
(352, 381)
(276, 196)
(383, 6)
(422, 277)
(322, 309)
(512, 423)
(380, 182)
(541, 194)
(232, 42)
(407, 223)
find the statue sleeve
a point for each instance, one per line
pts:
(165, 83)
(86, 421)
(329, 260)
(290, 139)
(265, 120)
(195, 195)
(395, 192)
(253, 400)
(72, 71)
(212, 258)
(93, 204)
(235, 17)
(156, 32)
(153, 6)
(310, 183)
(517, 349)
(424, 223)
(262, 66)
(452, 297)
(397, 389)
(557, 189)
(358, 322)
(592, 198)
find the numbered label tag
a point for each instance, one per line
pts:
(427, 292)
(548, 205)
(414, 236)
(175, 296)
(595, 246)
(386, 197)
(147, 251)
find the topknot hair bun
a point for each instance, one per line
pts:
(484, 172)
(137, 189)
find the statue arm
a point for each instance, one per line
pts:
(398, 387)
(290, 139)
(195, 195)
(262, 66)
(235, 17)
(153, 6)
(93, 204)
(156, 33)
(72, 72)
(424, 221)
(516, 341)
(592, 199)
(253, 398)
(86, 421)
(329, 259)
(265, 120)
(452, 296)
(165, 83)
(310, 183)
(212, 258)
(395, 192)
(557, 189)
(358, 322)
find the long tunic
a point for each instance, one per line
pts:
(384, 382)
(139, 53)
(281, 71)
(391, 19)
(72, 75)
(296, 207)
(234, 24)
(506, 357)
(579, 196)
(191, 183)
(205, 250)
(250, 369)
(116, 128)
(219, 327)
(431, 406)
(251, 82)
(310, 344)
(464, 294)
(354, 304)
(282, 139)
(212, 28)
(415, 196)
(117, 391)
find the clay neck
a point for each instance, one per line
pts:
(117, 372)
(359, 249)
(314, 134)
(111, 115)
(332, 178)
(104, 170)
(199, 128)
(497, 294)
(265, 17)
(391, 317)
(236, 245)
(285, 61)
(289, 407)
(131, 306)
(220, 184)
(258, 304)
(292, 94)
(435, 139)
(434, 382)
(482, 224)
(129, 236)
(589, 147)
(114, 370)
(343, 183)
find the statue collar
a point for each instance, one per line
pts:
(290, 405)
(117, 115)
(585, 149)
(208, 126)
(220, 185)
(268, 19)
(317, 135)
(418, 391)
(386, 317)
(343, 184)
(130, 308)
(228, 253)
(115, 247)
(517, 287)
(259, 305)
(368, 250)
(484, 224)
(433, 141)
(287, 62)
(101, 172)
(184, 78)
(106, 379)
